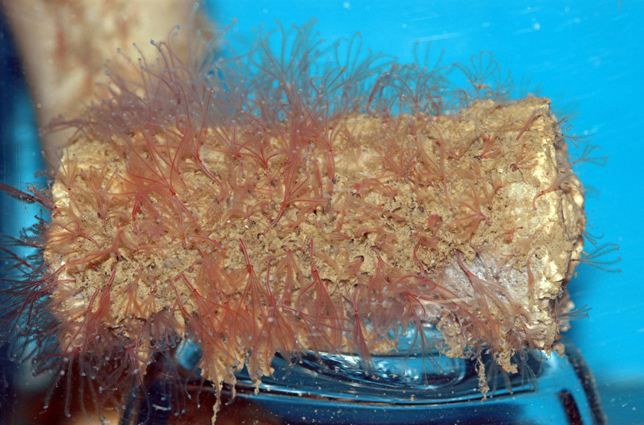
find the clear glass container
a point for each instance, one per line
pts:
(404, 387)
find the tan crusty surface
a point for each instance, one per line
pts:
(471, 221)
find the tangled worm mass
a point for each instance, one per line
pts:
(314, 198)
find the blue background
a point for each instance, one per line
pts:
(587, 56)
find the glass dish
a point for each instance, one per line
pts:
(406, 386)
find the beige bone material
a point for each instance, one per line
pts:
(476, 217)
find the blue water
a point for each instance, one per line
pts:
(587, 56)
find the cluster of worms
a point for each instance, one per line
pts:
(309, 198)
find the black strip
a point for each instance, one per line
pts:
(570, 407)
